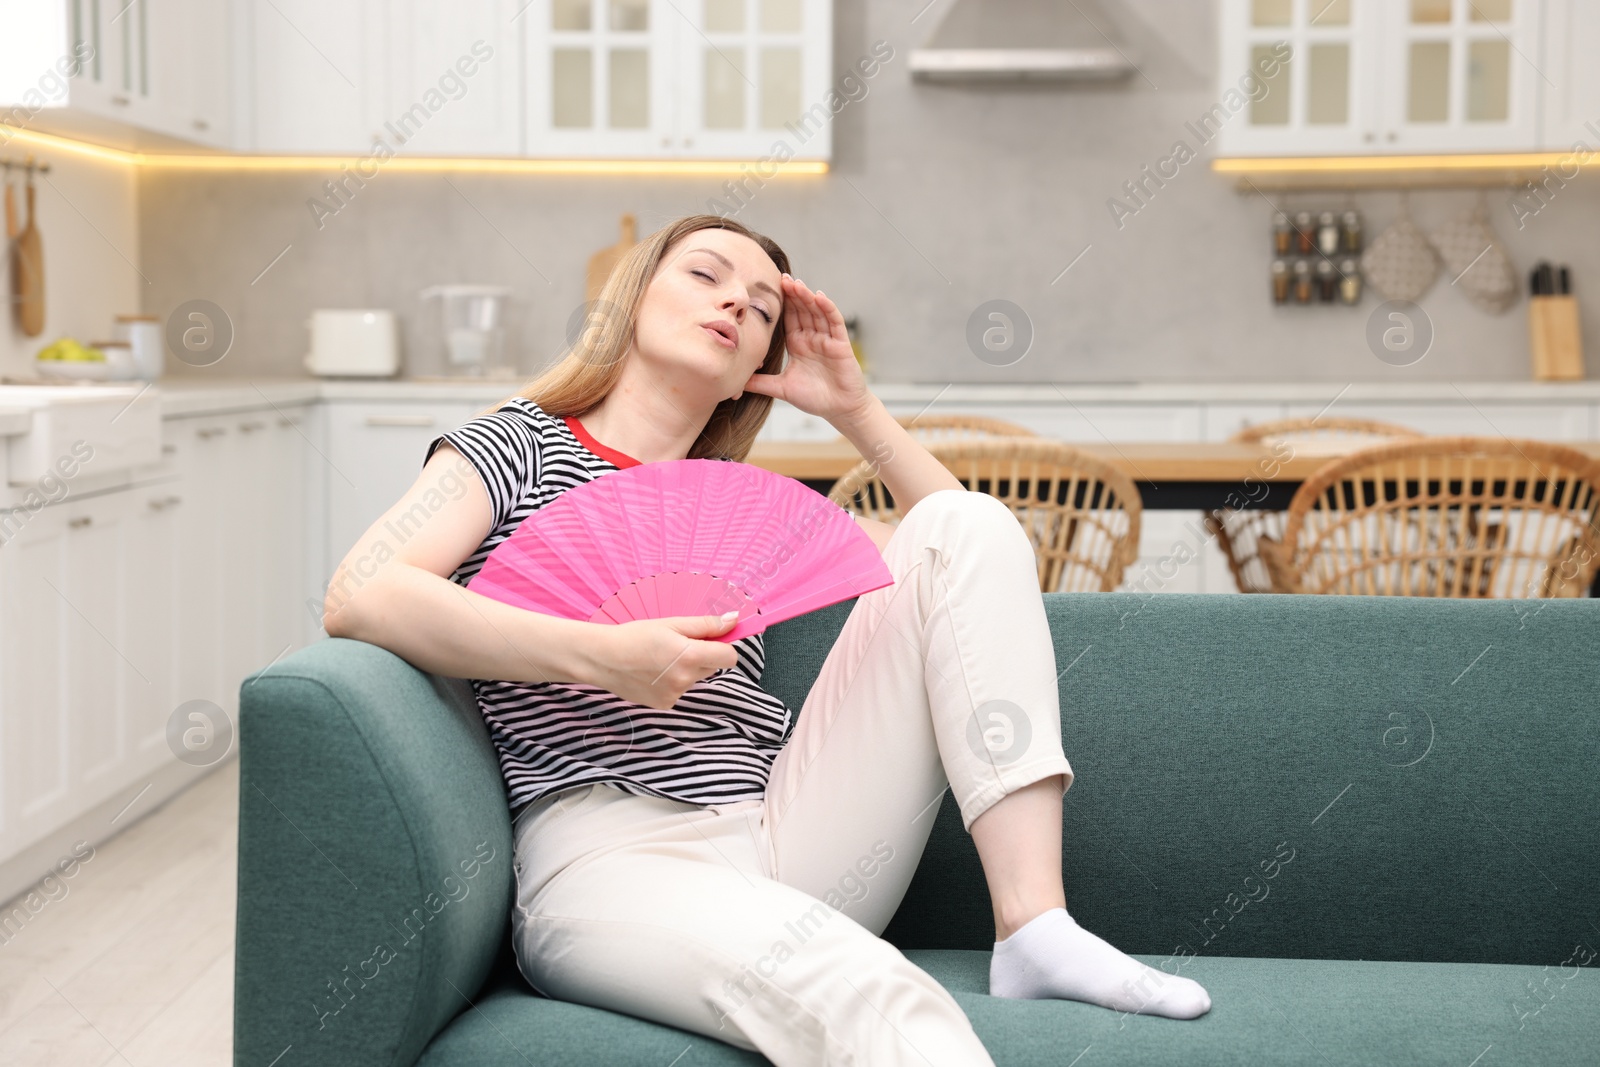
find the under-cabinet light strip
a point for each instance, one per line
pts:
(1382, 164)
(761, 169)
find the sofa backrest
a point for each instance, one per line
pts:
(1376, 778)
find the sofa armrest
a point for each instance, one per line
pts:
(375, 878)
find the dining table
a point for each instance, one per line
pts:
(1170, 475)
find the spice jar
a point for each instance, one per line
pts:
(1306, 233)
(1352, 231)
(1280, 281)
(1350, 284)
(1282, 234)
(1302, 281)
(1327, 282)
(1328, 233)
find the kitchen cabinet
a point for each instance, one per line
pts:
(1571, 102)
(243, 512)
(375, 453)
(655, 79)
(1548, 422)
(154, 66)
(34, 774)
(1365, 77)
(87, 659)
(118, 606)
(455, 77)
(195, 48)
(115, 82)
(318, 75)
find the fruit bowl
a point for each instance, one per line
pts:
(75, 369)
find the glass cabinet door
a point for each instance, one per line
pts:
(1460, 75)
(599, 78)
(1297, 78)
(754, 74)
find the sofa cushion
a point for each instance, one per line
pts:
(1278, 1011)
(1316, 777)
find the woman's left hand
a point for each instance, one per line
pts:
(821, 376)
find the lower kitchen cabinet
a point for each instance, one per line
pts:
(119, 606)
(375, 453)
(86, 656)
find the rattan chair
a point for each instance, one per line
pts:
(1081, 514)
(1239, 531)
(1321, 428)
(1443, 516)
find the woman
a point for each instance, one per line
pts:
(685, 851)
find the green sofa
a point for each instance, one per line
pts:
(1370, 827)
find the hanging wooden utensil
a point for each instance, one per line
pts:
(604, 261)
(12, 229)
(27, 271)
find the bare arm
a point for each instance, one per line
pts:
(909, 470)
(393, 589)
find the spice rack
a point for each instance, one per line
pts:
(1316, 258)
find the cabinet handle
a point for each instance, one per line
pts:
(251, 427)
(202, 125)
(120, 101)
(162, 503)
(1393, 136)
(399, 420)
(79, 521)
(205, 433)
(286, 421)
(169, 448)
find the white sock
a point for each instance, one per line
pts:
(1052, 956)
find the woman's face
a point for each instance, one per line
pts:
(710, 310)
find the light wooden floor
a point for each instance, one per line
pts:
(134, 965)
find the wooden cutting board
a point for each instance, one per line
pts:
(27, 274)
(603, 261)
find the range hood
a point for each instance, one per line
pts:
(1023, 40)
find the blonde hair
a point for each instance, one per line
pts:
(594, 363)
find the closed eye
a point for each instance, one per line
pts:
(765, 315)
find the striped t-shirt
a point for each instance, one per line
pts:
(715, 746)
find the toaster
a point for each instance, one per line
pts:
(353, 342)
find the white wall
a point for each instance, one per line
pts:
(89, 220)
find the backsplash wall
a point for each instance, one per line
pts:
(939, 199)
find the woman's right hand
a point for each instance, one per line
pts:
(655, 661)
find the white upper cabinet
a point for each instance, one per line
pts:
(318, 75)
(1461, 75)
(553, 79)
(455, 77)
(754, 74)
(1305, 75)
(1383, 76)
(1571, 112)
(600, 78)
(703, 79)
(115, 80)
(149, 66)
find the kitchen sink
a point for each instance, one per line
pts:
(99, 428)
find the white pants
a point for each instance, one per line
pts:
(757, 923)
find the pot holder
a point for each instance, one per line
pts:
(1400, 262)
(1478, 262)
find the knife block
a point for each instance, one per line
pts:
(1555, 338)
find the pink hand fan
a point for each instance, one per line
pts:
(684, 537)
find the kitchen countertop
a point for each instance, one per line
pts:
(195, 395)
